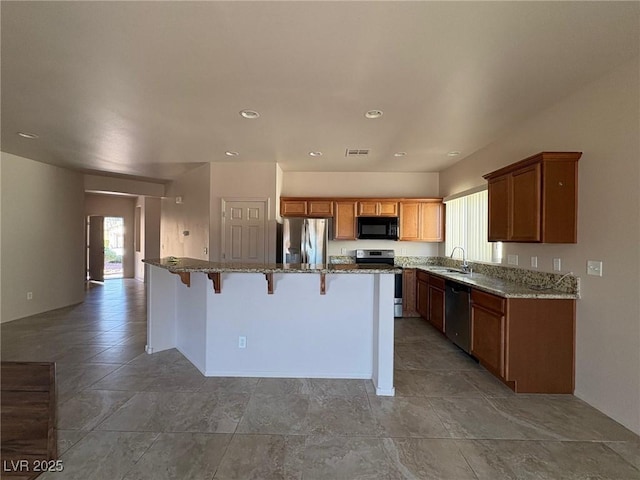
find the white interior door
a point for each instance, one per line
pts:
(244, 230)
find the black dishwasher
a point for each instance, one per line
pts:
(458, 314)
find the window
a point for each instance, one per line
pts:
(466, 227)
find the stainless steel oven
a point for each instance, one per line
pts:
(384, 257)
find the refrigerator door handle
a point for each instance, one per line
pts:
(303, 251)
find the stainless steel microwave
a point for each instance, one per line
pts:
(378, 228)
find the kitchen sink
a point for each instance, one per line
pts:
(455, 270)
(447, 270)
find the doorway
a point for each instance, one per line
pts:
(113, 247)
(105, 247)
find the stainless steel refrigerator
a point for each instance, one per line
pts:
(304, 240)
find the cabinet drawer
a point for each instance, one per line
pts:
(388, 209)
(488, 301)
(320, 208)
(367, 209)
(290, 208)
(437, 282)
(424, 276)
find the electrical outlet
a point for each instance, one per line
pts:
(594, 267)
(512, 259)
(206, 250)
(242, 342)
(343, 251)
(29, 295)
(534, 262)
(557, 264)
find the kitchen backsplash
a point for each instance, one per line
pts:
(557, 281)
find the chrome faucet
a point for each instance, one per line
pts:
(465, 265)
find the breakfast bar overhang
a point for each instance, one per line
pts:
(275, 320)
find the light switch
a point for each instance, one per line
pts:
(594, 267)
(512, 259)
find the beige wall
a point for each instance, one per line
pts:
(356, 184)
(192, 215)
(42, 215)
(101, 184)
(149, 233)
(139, 255)
(0, 242)
(152, 227)
(603, 121)
(117, 206)
(231, 181)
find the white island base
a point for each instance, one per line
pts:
(296, 331)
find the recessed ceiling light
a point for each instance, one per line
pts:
(315, 154)
(373, 114)
(28, 135)
(455, 153)
(251, 114)
(230, 153)
(400, 154)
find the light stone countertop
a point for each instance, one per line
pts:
(188, 265)
(496, 286)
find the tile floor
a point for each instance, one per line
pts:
(124, 414)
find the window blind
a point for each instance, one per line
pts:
(466, 227)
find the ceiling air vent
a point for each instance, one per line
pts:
(356, 152)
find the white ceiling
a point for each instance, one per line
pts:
(151, 89)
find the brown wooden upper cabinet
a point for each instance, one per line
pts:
(375, 208)
(345, 220)
(422, 221)
(535, 200)
(306, 207)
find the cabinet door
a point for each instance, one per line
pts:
(422, 298)
(526, 204)
(409, 292)
(432, 222)
(487, 338)
(436, 307)
(320, 208)
(293, 208)
(345, 221)
(388, 209)
(559, 193)
(367, 209)
(499, 209)
(410, 221)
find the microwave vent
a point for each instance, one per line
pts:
(356, 152)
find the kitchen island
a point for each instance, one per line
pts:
(274, 320)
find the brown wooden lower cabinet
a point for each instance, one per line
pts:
(487, 331)
(436, 302)
(422, 294)
(409, 290)
(528, 342)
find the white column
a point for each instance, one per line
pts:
(161, 309)
(383, 334)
